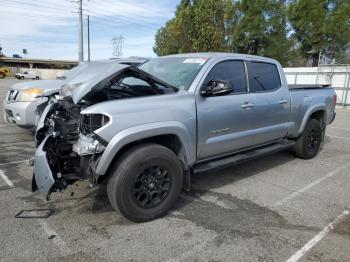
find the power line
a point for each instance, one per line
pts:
(31, 9)
(26, 5)
(37, 15)
(40, 2)
(120, 19)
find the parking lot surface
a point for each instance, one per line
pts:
(276, 208)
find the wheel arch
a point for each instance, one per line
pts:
(175, 137)
(317, 112)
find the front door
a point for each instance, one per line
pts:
(225, 122)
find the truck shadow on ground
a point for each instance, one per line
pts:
(212, 180)
(96, 200)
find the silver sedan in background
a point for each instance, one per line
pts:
(22, 100)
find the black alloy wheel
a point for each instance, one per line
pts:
(145, 182)
(308, 144)
(151, 187)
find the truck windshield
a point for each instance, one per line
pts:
(177, 71)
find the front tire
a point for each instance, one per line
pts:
(145, 182)
(37, 78)
(2, 75)
(308, 144)
(22, 77)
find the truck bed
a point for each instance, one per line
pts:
(304, 98)
(307, 86)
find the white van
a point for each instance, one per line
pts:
(30, 74)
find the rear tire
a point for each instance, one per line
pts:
(22, 77)
(308, 144)
(2, 75)
(37, 78)
(145, 182)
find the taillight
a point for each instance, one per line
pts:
(335, 99)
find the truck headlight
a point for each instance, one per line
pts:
(87, 145)
(30, 94)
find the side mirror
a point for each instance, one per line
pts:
(217, 88)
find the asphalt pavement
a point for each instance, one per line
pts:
(276, 208)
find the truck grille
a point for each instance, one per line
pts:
(13, 94)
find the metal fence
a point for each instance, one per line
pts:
(338, 76)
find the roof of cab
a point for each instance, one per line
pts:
(213, 55)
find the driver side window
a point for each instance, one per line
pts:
(232, 71)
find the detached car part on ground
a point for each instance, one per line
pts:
(146, 130)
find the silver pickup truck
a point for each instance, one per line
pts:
(145, 130)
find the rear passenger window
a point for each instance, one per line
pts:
(263, 77)
(232, 71)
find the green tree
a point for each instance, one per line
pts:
(262, 29)
(177, 34)
(248, 26)
(320, 26)
(198, 26)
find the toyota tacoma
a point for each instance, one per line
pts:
(145, 130)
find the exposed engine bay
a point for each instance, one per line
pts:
(71, 146)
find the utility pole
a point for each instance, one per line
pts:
(88, 25)
(81, 48)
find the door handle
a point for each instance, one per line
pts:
(283, 101)
(247, 105)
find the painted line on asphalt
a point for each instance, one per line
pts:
(309, 186)
(6, 179)
(16, 162)
(7, 125)
(65, 250)
(49, 231)
(340, 137)
(301, 252)
(347, 129)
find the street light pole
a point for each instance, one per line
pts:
(88, 25)
(81, 48)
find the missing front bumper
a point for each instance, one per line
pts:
(44, 179)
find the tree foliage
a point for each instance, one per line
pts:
(269, 28)
(320, 25)
(262, 29)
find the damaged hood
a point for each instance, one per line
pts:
(82, 83)
(95, 76)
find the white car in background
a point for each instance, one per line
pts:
(23, 100)
(30, 74)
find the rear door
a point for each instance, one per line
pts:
(271, 102)
(225, 122)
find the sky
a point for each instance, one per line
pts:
(49, 28)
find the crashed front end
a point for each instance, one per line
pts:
(67, 147)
